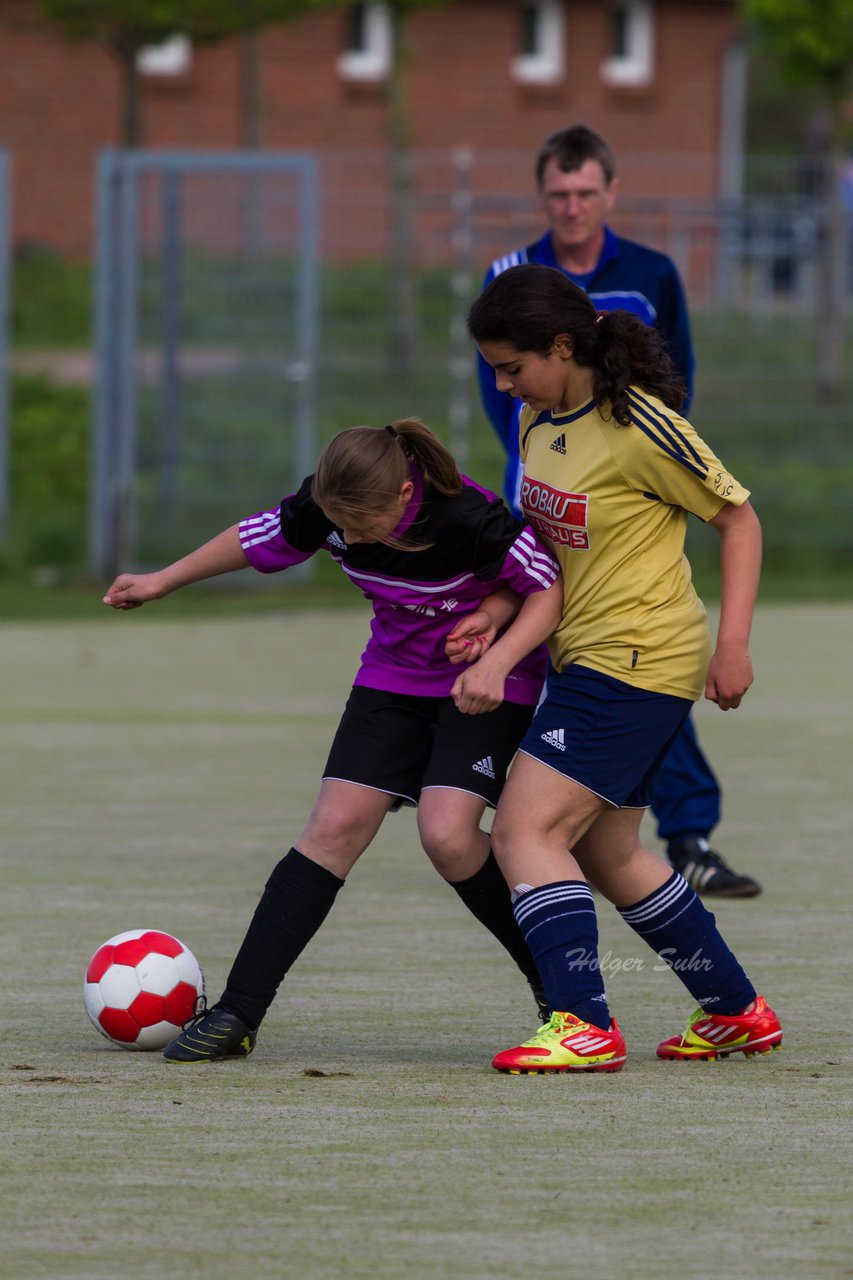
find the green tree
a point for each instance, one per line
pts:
(812, 40)
(812, 44)
(127, 26)
(402, 183)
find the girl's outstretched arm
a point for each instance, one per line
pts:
(730, 668)
(221, 555)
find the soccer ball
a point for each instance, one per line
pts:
(141, 987)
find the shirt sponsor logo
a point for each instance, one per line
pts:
(427, 610)
(560, 516)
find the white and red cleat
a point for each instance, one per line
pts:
(716, 1035)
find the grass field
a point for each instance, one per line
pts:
(156, 766)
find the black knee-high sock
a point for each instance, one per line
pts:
(487, 897)
(297, 898)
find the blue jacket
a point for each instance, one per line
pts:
(629, 277)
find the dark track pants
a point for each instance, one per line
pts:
(687, 796)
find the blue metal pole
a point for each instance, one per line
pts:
(5, 240)
(126, 363)
(307, 335)
(104, 398)
(170, 337)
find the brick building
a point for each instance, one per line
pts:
(656, 77)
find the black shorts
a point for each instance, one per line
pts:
(401, 744)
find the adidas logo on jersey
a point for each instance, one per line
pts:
(559, 445)
(485, 766)
(335, 540)
(555, 738)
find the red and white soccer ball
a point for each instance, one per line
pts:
(141, 987)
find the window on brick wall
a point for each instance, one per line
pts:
(631, 60)
(367, 51)
(541, 40)
(171, 58)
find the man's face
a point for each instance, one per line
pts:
(576, 204)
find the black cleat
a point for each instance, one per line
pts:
(541, 1001)
(210, 1035)
(707, 873)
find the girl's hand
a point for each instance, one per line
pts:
(221, 554)
(479, 688)
(729, 677)
(132, 590)
(471, 637)
(730, 669)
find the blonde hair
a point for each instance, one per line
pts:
(361, 471)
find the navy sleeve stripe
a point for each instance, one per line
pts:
(667, 427)
(673, 453)
(669, 447)
(677, 432)
(701, 472)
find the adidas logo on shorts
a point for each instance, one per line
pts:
(559, 445)
(485, 766)
(555, 738)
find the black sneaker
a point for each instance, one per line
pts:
(209, 1035)
(707, 873)
(541, 1001)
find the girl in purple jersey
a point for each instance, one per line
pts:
(424, 545)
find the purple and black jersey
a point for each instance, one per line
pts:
(473, 547)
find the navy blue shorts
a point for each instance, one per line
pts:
(604, 734)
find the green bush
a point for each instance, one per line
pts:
(49, 474)
(51, 301)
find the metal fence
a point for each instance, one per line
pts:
(5, 450)
(242, 300)
(205, 335)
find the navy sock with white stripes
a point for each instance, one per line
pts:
(684, 933)
(558, 920)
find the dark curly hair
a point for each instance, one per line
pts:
(528, 306)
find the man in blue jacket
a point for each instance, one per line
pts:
(577, 183)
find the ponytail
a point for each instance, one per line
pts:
(437, 463)
(626, 352)
(529, 305)
(361, 471)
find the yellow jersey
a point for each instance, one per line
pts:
(612, 501)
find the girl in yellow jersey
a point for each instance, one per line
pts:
(611, 472)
